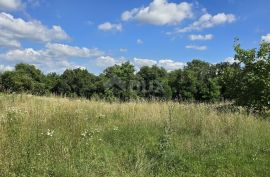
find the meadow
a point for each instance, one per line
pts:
(51, 136)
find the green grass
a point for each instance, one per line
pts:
(42, 136)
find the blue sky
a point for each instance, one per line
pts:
(94, 34)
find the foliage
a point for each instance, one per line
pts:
(154, 83)
(253, 82)
(195, 82)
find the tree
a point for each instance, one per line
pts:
(195, 82)
(154, 83)
(25, 78)
(120, 82)
(253, 84)
(77, 82)
(227, 75)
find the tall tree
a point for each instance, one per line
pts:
(154, 83)
(120, 82)
(253, 84)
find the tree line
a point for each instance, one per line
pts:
(246, 82)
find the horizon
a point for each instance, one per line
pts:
(58, 35)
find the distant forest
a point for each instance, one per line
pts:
(246, 82)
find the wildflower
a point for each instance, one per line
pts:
(115, 129)
(50, 132)
(84, 134)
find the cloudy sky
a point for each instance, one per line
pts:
(94, 34)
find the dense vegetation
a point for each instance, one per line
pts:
(246, 82)
(47, 136)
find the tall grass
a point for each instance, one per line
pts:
(48, 136)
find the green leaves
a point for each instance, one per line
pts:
(254, 79)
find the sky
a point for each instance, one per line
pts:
(55, 35)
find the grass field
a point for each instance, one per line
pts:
(48, 136)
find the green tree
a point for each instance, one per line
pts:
(78, 82)
(25, 78)
(195, 82)
(227, 75)
(154, 83)
(253, 84)
(120, 82)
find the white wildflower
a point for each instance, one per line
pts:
(84, 134)
(50, 132)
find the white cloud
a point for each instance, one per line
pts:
(266, 38)
(25, 55)
(52, 51)
(107, 61)
(16, 29)
(195, 47)
(160, 12)
(4, 68)
(55, 57)
(171, 65)
(58, 66)
(143, 62)
(10, 4)
(40, 59)
(110, 27)
(168, 64)
(208, 21)
(139, 41)
(231, 60)
(9, 43)
(200, 37)
(72, 51)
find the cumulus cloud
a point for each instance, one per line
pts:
(208, 21)
(9, 43)
(143, 62)
(10, 5)
(51, 51)
(196, 47)
(55, 57)
(72, 51)
(200, 37)
(4, 68)
(168, 64)
(16, 29)
(266, 38)
(171, 65)
(110, 27)
(107, 61)
(24, 55)
(160, 12)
